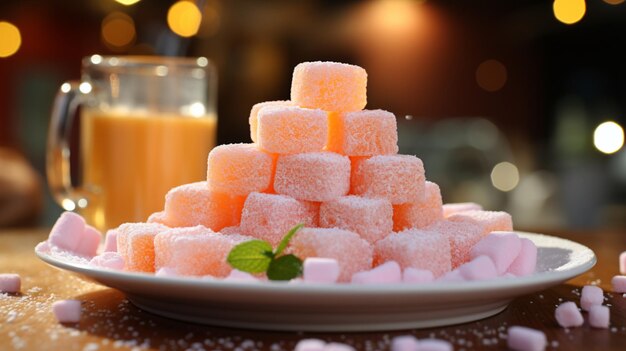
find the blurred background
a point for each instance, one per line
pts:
(517, 105)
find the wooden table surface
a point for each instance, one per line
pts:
(110, 322)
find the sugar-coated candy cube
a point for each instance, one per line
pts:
(109, 260)
(501, 247)
(89, 242)
(352, 252)
(414, 275)
(253, 119)
(619, 283)
(599, 316)
(363, 133)
(490, 221)
(10, 283)
(135, 243)
(337, 346)
(453, 276)
(398, 178)
(370, 218)
(622, 263)
(479, 268)
(67, 231)
(387, 273)
(591, 295)
(450, 209)
(270, 216)
(419, 214)
(194, 204)
(310, 345)
(330, 86)
(195, 251)
(110, 241)
(233, 229)
(415, 248)
(404, 343)
(526, 339)
(239, 169)
(526, 261)
(158, 217)
(292, 130)
(435, 345)
(320, 270)
(314, 176)
(462, 237)
(67, 311)
(239, 276)
(568, 315)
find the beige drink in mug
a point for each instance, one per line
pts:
(147, 125)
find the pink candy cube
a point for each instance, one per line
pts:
(501, 247)
(619, 283)
(330, 86)
(370, 218)
(89, 242)
(490, 221)
(454, 276)
(67, 311)
(135, 244)
(387, 273)
(253, 119)
(352, 252)
(404, 343)
(419, 214)
(416, 276)
(67, 231)
(108, 260)
(415, 248)
(110, 241)
(463, 236)
(363, 133)
(270, 216)
(310, 345)
(450, 209)
(599, 316)
(316, 176)
(591, 296)
(397, 178)
(320, 270)
(480, 268)
(526, 339)
(526, 261)
(568, 315)
(292, 130)
(239, 169)
(10, 283)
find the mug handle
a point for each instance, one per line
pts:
(66, 101)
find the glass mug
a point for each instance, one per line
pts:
(147, 125)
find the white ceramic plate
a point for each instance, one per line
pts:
(336, 307)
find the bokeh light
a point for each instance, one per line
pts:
(569, 11)
(505, 176)
(608, 137)
(10, 39)
(184, 18)
(614, 2)
(118, 31)
(491, 75)
(127, 2)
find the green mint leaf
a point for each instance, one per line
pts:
(252, 256)
(286, 239)
(285, 268)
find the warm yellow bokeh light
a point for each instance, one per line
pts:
(10, 39)
(491, 75)
(505, 176)
(118, 30)
(614, 2)
(608, 137)
(184, 18)
(127, 2)
(569, 11)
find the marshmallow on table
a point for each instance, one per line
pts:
(419, 214)
(386, 273)
(434, 345)
(70, 232)
(622, 263)
(526, 261)
(480, 268)
(450, 209)
(67, 311)
(619, 283)
(239, 169)
(599, 316)
(253, 119)
(292, 129)
(109, 260)
(568, 315)
(591, 296)
(110, 240)
(10, 283)
(320, 270)
(404, 343)
(310, 345)
(526, 339)
(501, 247)
(414, 275)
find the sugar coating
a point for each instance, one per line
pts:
(110, 241)
(619, 283)
(435, 345)
(414, 275)
(135, 244)
(599, 316)
(194, 204)
(89, 242)
(526, 262)
(270, 216)
(253, 119)
(404, 343)
(195, 251)
(462, 237)
(450, 209)
(568, 315)
(67, 231)
(330, 86)
(501, 247)
(315, 176)
(108, 260)
(292, 129)
(386, 273)
(419, 214)
(320, 270)
(67, 311)
(526, 339)
(591, 295)
(415, 248)
(363, 133)
(370, 218)
(234, 229)
(398, 178)
(310, 345)
(239, 169)
(479, 268)
(491, 221)
(352, 252)
(10, 283)
(622, 263)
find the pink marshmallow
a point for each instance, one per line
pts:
(526, 261)
(451, 277)
(526, 339)
(388, 272)
(237, 275)
(415, 275)
(501, 247)
(480, 268)
(110, 241)
(335, 346)
(109, 260)
(591, 296)
(67, 231)
(67, 311)
(599, 316)
(320, 270)
(450, 209)
(435, 345)
(568, 315)
(89, 242)
(622, 263)
(310, 345)
(404, 343)
(619, 283)
(10, 283)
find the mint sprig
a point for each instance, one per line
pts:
(257, 256)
